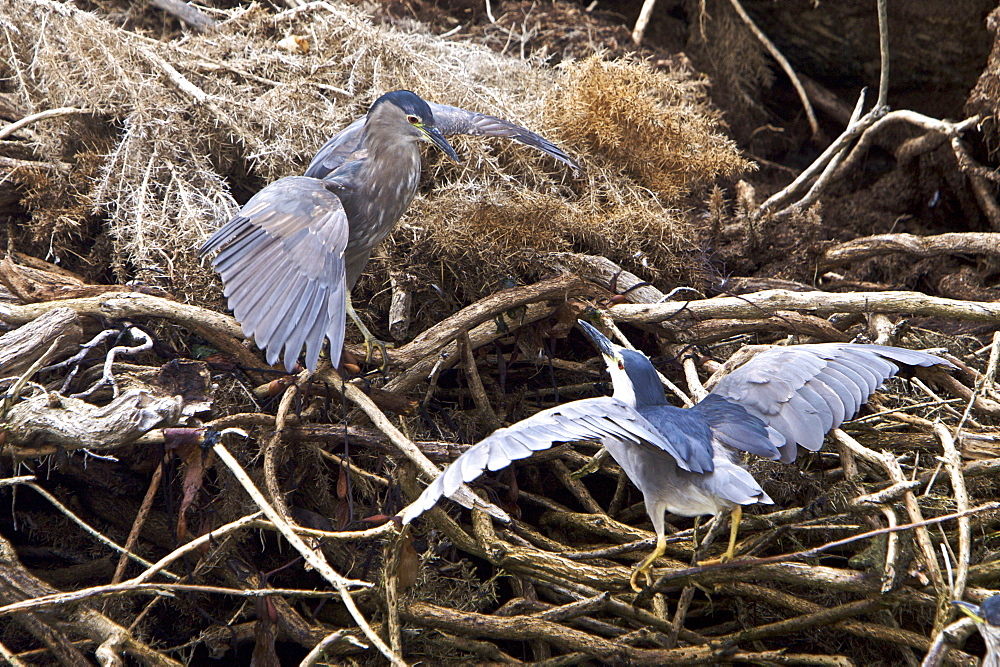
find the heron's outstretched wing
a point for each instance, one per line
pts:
(587, 419)
(450, 120)
(282, 262)
(735, 427)
(803, 391)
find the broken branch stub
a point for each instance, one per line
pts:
(23, 346)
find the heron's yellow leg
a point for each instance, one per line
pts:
(734, 527)
(371, 342)
(647, 564)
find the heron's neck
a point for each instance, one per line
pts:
(388, 179)
(392, 156)
(638, 389)
(650, 393)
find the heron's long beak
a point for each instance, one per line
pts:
(434, 136)
(970, 610)
(603, 344)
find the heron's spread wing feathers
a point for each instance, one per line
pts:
(282, 262)
(587, 419)
(803, 391)
(450, 120)
(735, 427)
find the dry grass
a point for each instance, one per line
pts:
(170, 167)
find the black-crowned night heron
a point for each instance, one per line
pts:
(687, 461)
(292, 254)
(987, 618)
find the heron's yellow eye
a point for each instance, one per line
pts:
(414, 120)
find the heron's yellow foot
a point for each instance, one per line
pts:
(734, 526)
(371, 342)
(644, 568)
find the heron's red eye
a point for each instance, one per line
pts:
(621, 365)
(413, 119)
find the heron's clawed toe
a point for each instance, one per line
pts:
(644, 568)
(383, 347)
(724, 558)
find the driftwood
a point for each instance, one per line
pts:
(22, 347)
(763, 304)
(972, 243)
(595, 619)
(47, 423)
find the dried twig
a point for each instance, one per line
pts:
(974, 243)
(640, 23)
(762, 304)
(782, 61)
(11, 128)
(405, 445)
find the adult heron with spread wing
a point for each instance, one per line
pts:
(687, 461)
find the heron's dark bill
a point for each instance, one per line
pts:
(435, 137)
(599, 339)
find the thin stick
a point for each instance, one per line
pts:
(317, 651)
(479, 396)
(11, 659)
(465, 496)
(883, 47)
(92, 531)
(782, 61)
(891, 466)
(140, 521)
(11, 128)
(193, 545)
(273, 446)
(953, 463)
(813, 170)
(953, 635)
(643, 20)
(73, 597)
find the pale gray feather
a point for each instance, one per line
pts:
(803, 391)
(603, 418)
(281, 260)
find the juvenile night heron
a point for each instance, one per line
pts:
(292, 254)
(987, 619)
(687, 460)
